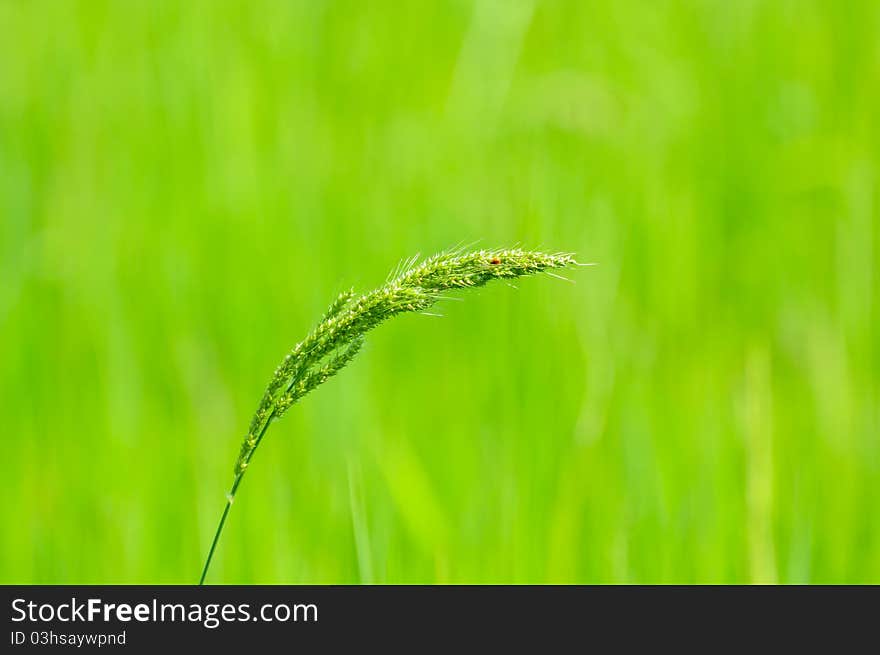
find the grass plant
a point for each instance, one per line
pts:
(413, 287)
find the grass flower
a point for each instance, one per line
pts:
(413, 287)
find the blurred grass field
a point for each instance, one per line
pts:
(185, 186)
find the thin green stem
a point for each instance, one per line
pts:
(229, 498)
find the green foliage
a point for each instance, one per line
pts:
(183, 186)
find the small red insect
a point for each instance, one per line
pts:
(495, 260)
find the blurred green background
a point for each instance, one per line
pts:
(185, 186)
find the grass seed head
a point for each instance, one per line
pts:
(340, 334)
